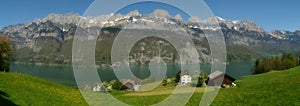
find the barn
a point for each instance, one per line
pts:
(216, 79)
(132, 85)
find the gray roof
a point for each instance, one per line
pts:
(215, 74)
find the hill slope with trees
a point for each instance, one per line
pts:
(6, 50)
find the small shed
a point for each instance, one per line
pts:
(218, 78)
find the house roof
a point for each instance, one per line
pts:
(186, 75)
(215, 74)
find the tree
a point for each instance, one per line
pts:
(298, 57)
(289, 60)
(201, 79)
(6, 50)
(257, 62)
(116, 85)
(298, 54)
(257, 67)
(177, 77)
(165, 82)
(286, 61)
(278, 63)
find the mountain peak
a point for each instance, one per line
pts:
(62, 18)
(178, 17)
(53, 15)
(194, 19)
(214, 19)
(133, 13)
(161, 13)
(219, 18)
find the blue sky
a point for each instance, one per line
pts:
(270, 14)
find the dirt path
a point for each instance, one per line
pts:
(166, 91)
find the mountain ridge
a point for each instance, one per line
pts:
(60, 28)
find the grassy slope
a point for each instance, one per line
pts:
(273, 88)
(21, 89)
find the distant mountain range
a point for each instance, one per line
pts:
(49, 40)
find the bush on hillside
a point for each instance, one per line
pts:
(283, 62)
(201, 79)
(116, 85)
(6, 50)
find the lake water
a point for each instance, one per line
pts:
(64, 74)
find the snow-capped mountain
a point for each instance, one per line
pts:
(60, 28)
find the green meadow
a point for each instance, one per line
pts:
(272, 88)
(25, 90)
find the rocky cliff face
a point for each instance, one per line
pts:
(57, 31)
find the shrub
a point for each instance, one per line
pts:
(116, 85)
(164, 82)
(201, 79)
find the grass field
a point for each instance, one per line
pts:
(273, 88)
(24, 90)
(269, 89)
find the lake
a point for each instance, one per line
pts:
(64, 74)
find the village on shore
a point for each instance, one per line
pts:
(216, 79)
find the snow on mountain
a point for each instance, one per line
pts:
(59, 28)
(67, 23)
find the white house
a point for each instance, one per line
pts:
(185, 79)
(101, 87)
(97, 88)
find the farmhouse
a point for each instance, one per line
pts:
(131, 85)
(185, 79)
(97, 88)
(216, 79)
